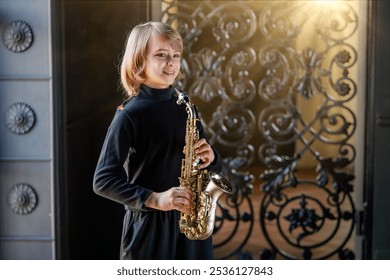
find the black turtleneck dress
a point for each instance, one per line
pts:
(142, 153)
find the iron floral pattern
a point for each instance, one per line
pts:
(22, 199)
(17, 36)
(208, 72)
(20, 118)
(254, 64)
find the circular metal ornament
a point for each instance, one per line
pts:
(17, 36)
(20, 118)
(22, 199)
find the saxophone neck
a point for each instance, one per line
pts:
(182, 98)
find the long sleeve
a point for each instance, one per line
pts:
(110, 178)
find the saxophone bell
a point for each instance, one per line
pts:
(221, 182)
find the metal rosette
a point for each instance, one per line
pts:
(22, 199)
(17, 36)
(20, 118)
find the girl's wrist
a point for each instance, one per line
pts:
(151, 201)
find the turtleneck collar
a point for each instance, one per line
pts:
(146, 92)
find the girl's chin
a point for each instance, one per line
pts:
(159, 86)
(164, 83)
(169, 82)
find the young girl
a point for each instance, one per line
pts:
(141, 157)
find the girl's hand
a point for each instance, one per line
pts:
(204, 152)
(176, 198)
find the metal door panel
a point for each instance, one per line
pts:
(25, 130)
(25, 250)
(25, 194)
(34, 61)
(34, 141)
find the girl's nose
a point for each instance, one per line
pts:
(169, 60)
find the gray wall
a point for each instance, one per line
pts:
(26, 159)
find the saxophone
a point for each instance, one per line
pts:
(206, 187)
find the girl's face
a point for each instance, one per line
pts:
(162, 64)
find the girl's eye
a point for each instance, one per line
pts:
(164, 55)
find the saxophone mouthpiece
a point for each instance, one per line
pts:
(182, 97)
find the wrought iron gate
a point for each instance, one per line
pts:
(276, 84)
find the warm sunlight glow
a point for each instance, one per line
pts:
(327, 2)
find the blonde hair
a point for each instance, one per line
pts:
(133, 61)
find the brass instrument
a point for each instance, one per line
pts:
(206, 187)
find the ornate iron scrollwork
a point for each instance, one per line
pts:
(17, 36)
(20, 118)
(310, 219)
(22, 199)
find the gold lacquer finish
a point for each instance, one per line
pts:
(206, 187)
